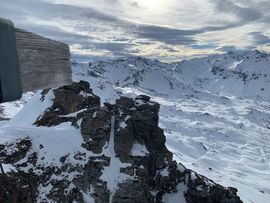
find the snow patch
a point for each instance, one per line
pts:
(176, 197)
(33, 109)
(111, 174)
(139, 150)
(8, 168)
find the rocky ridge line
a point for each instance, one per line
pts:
(136, 153)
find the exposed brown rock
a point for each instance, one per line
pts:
(153, 173)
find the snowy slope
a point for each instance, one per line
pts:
(10, 109)
(78, 151)
(234, 73)
(215, 111)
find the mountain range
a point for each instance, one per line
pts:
(214, 110)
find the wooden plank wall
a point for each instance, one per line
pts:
(44, 63)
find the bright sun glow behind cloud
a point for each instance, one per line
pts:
(155, 6)
(162, 29)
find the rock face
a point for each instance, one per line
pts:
(68, 99)
(123, 157)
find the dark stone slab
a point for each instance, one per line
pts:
(10, 81)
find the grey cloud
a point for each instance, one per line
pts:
(203, 46)
(259, 38)
(109, 46)
(113, 1)
(56, 33)
(221, 28)
(167, 35)
(89, 19)
(49, 11)
(232, 48)
(245, 14)
(135, 4)
(67, 12)
(168, 48)
(144, 43)
(25, 13)
(89, 58)
(227, 48)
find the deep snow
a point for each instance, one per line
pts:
(215, 112)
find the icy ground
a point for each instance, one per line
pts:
(215, 112)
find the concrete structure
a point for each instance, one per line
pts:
(30, 62)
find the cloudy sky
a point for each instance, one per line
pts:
(168, 30)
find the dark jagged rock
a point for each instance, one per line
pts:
(133, 191)
(139, 144)
(21, 148)
(124, 103)
(18, 187)
(201, 190)
(142, 127)
(95, 129)
(69, 99)
(143, 97)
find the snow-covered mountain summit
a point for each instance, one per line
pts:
(248, 71)
(215, 111)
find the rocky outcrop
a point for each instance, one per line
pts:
(18, 187)
(68, 99)
(123, 157)
(95, 128)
